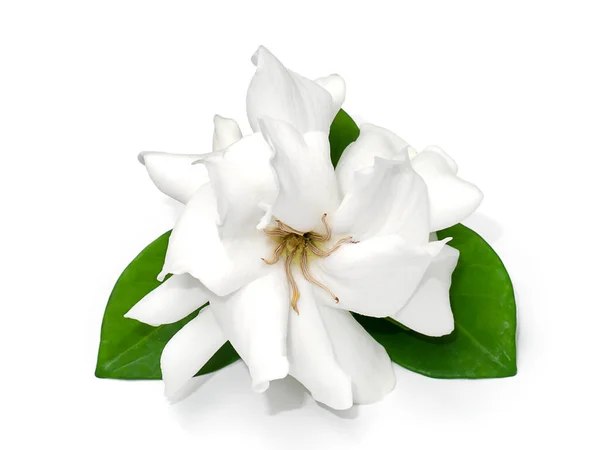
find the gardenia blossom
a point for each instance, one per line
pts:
(283, 247)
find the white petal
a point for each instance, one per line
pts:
(386, 198)
(173, 300)
(189, 350)
(174, 174)
(428, 311)
(242, 180)
(336, 86)
(360, 356)
(284, 95)
(227, 132)
(451, 199)
(195, 247)
(375, 277)
(255, 319)
(305, 175)
(372, 141)
(312, 359)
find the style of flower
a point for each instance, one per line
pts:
(283, 247)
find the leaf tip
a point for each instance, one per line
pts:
(100, 372)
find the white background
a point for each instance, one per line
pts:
(510, 89)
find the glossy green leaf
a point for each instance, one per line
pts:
(482, 299)
(342, 133)
(130, 349)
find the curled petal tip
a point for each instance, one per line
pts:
(218, 119)
(256, 55)
(142, 158)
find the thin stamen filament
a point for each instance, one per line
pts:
(275, 233)
(322, 237)
(291, 281)
(324, 254)
(286, 228)
(311, 279)
(316, 250)
(276, 254)
(338, 244)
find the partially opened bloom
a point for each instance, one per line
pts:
(284, 247)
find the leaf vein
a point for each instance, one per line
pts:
(481, 346)
(108, 364)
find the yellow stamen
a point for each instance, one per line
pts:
(295, 242)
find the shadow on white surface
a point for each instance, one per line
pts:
(288, 394)
(191, 387)
(351, 413)
(227, 395)
(285, 395)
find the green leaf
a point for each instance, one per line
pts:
(130, 349)
(342, 133)
(482, 299)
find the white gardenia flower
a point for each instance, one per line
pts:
(283, 246)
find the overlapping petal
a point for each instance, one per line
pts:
(428, 311)
(187, 352)
(375, 277)
(227, 132)
(242, 181)
(284, 95)
(195, 247)
(255, 320)
(216, 239)
(306, 181)
(336, 86)
(173, 174)
(451, 199)
(311, 355)
(373, 141)
(386, 198)
(173, 300)
(362, 358)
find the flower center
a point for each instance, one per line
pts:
(298, 245)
